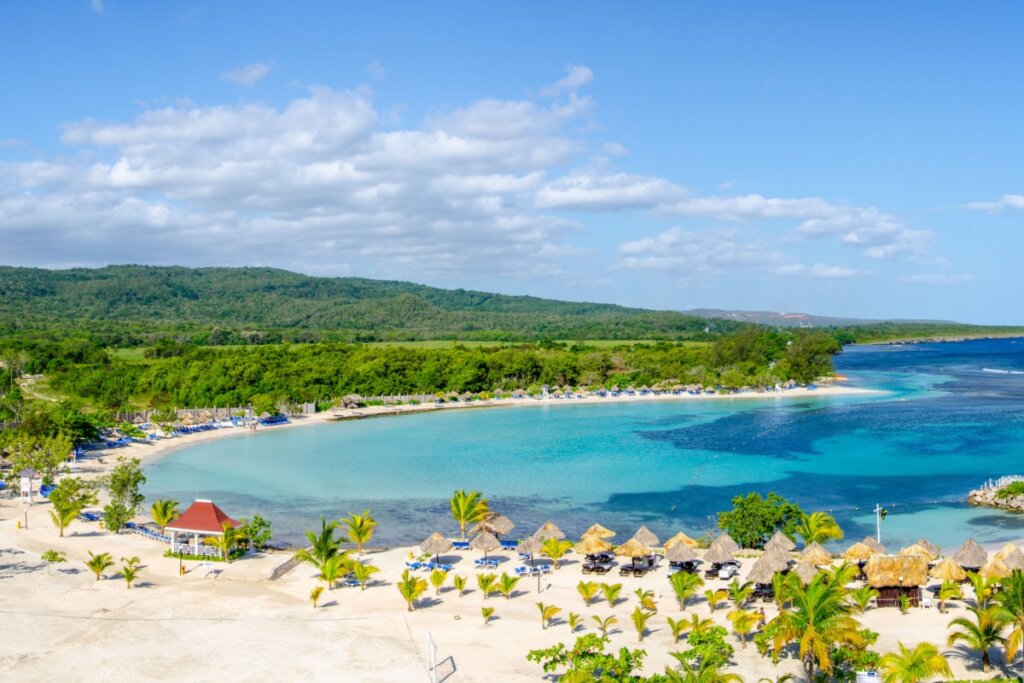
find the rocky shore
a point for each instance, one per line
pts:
(988, 497)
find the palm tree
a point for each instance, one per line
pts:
(980, 635)
(861, 597)
(739, 593)
(843, 573)
(818, 617)
(62, 517)
(360, 528)
(314, 595)
(640, 618)
(779, 589)
(333, 568)
(468, 508)
(611, 592)
(587, 590)
(678, 627)
(983, 589)
(743, 622)
(130, 572)
(225, 542)
(819, 527)
(1011, 603)
(164, 512)
(487, 613)
(702, 670)
(437, 579)
(507, 584)
(411, 588)
(547, 613)
(555, 549)
(99, 563)
(322, 546)
(646, 599)
(685, 586)
(460, 584)
(603, 625)
(949, 590)
(574, 622)
(487, 583)
(362, 572)
(923, 663)
(714, 597)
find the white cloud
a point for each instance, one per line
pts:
(685, 253)
(376, 70)
(1007, 201)
(819, 271)
(938, 278)
(97, 6)
(614, 149)
(575, 77)
(587, 191)
(248, 75)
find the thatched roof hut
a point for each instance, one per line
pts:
(776, 559)
(496, 524)
(717, 554)
(948, 570)
(680, 552)
(633, 548)
(549, 530)
(592, 545)
(994, 569)
(435, 544)
(896, 570)
(599, 531)
(859, 552)
(970, 555)
(870, 542)
(681, 538)
(933, 549)
(805, 570)
(816, 554)
(725, 541)
(531, 546)
(646, 536)
(485, 541)
(781, 541)
(918, 549)
(761, 573)
(1006, 551)
(1014, 561)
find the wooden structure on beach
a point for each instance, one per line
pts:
(896, 575)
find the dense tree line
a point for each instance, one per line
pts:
(206, 376)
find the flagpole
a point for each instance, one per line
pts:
(878, 522)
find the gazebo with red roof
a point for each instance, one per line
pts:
(203, 518)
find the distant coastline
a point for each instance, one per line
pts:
(939, 339)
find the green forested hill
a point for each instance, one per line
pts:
(241, 305)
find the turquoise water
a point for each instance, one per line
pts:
(941, 427)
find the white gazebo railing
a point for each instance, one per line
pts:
(194, 549)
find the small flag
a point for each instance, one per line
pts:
(884, 513)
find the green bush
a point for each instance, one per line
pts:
(1010, 490)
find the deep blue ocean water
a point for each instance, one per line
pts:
(942, 426)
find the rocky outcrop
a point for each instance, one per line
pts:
(988, 498)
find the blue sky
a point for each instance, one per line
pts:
(848, 159)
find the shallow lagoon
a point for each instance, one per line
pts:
(943, 425)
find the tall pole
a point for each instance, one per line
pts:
(878, 522)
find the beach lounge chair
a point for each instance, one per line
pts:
(460, 545)
(413, 565)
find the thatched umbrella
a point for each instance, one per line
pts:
(933, 549)
(592, 545)
(138, 420)
(870, 542)
(680, 552)
(548, 530)
(776, 559)
(646, 536)
(816, 555)
(725, 540)
(1014, 561)
(917, 549)
(633, 549)
(948, 570)
(717, 554)
(485, 541)
(859, 552)
(499, 525)
(761, 573)
(599, 531)
(970, 555)
(994, 569)
(1006, 551)
(435, 544)
(531, 546)
(805, 570)
(681, 538)
(780, 541)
